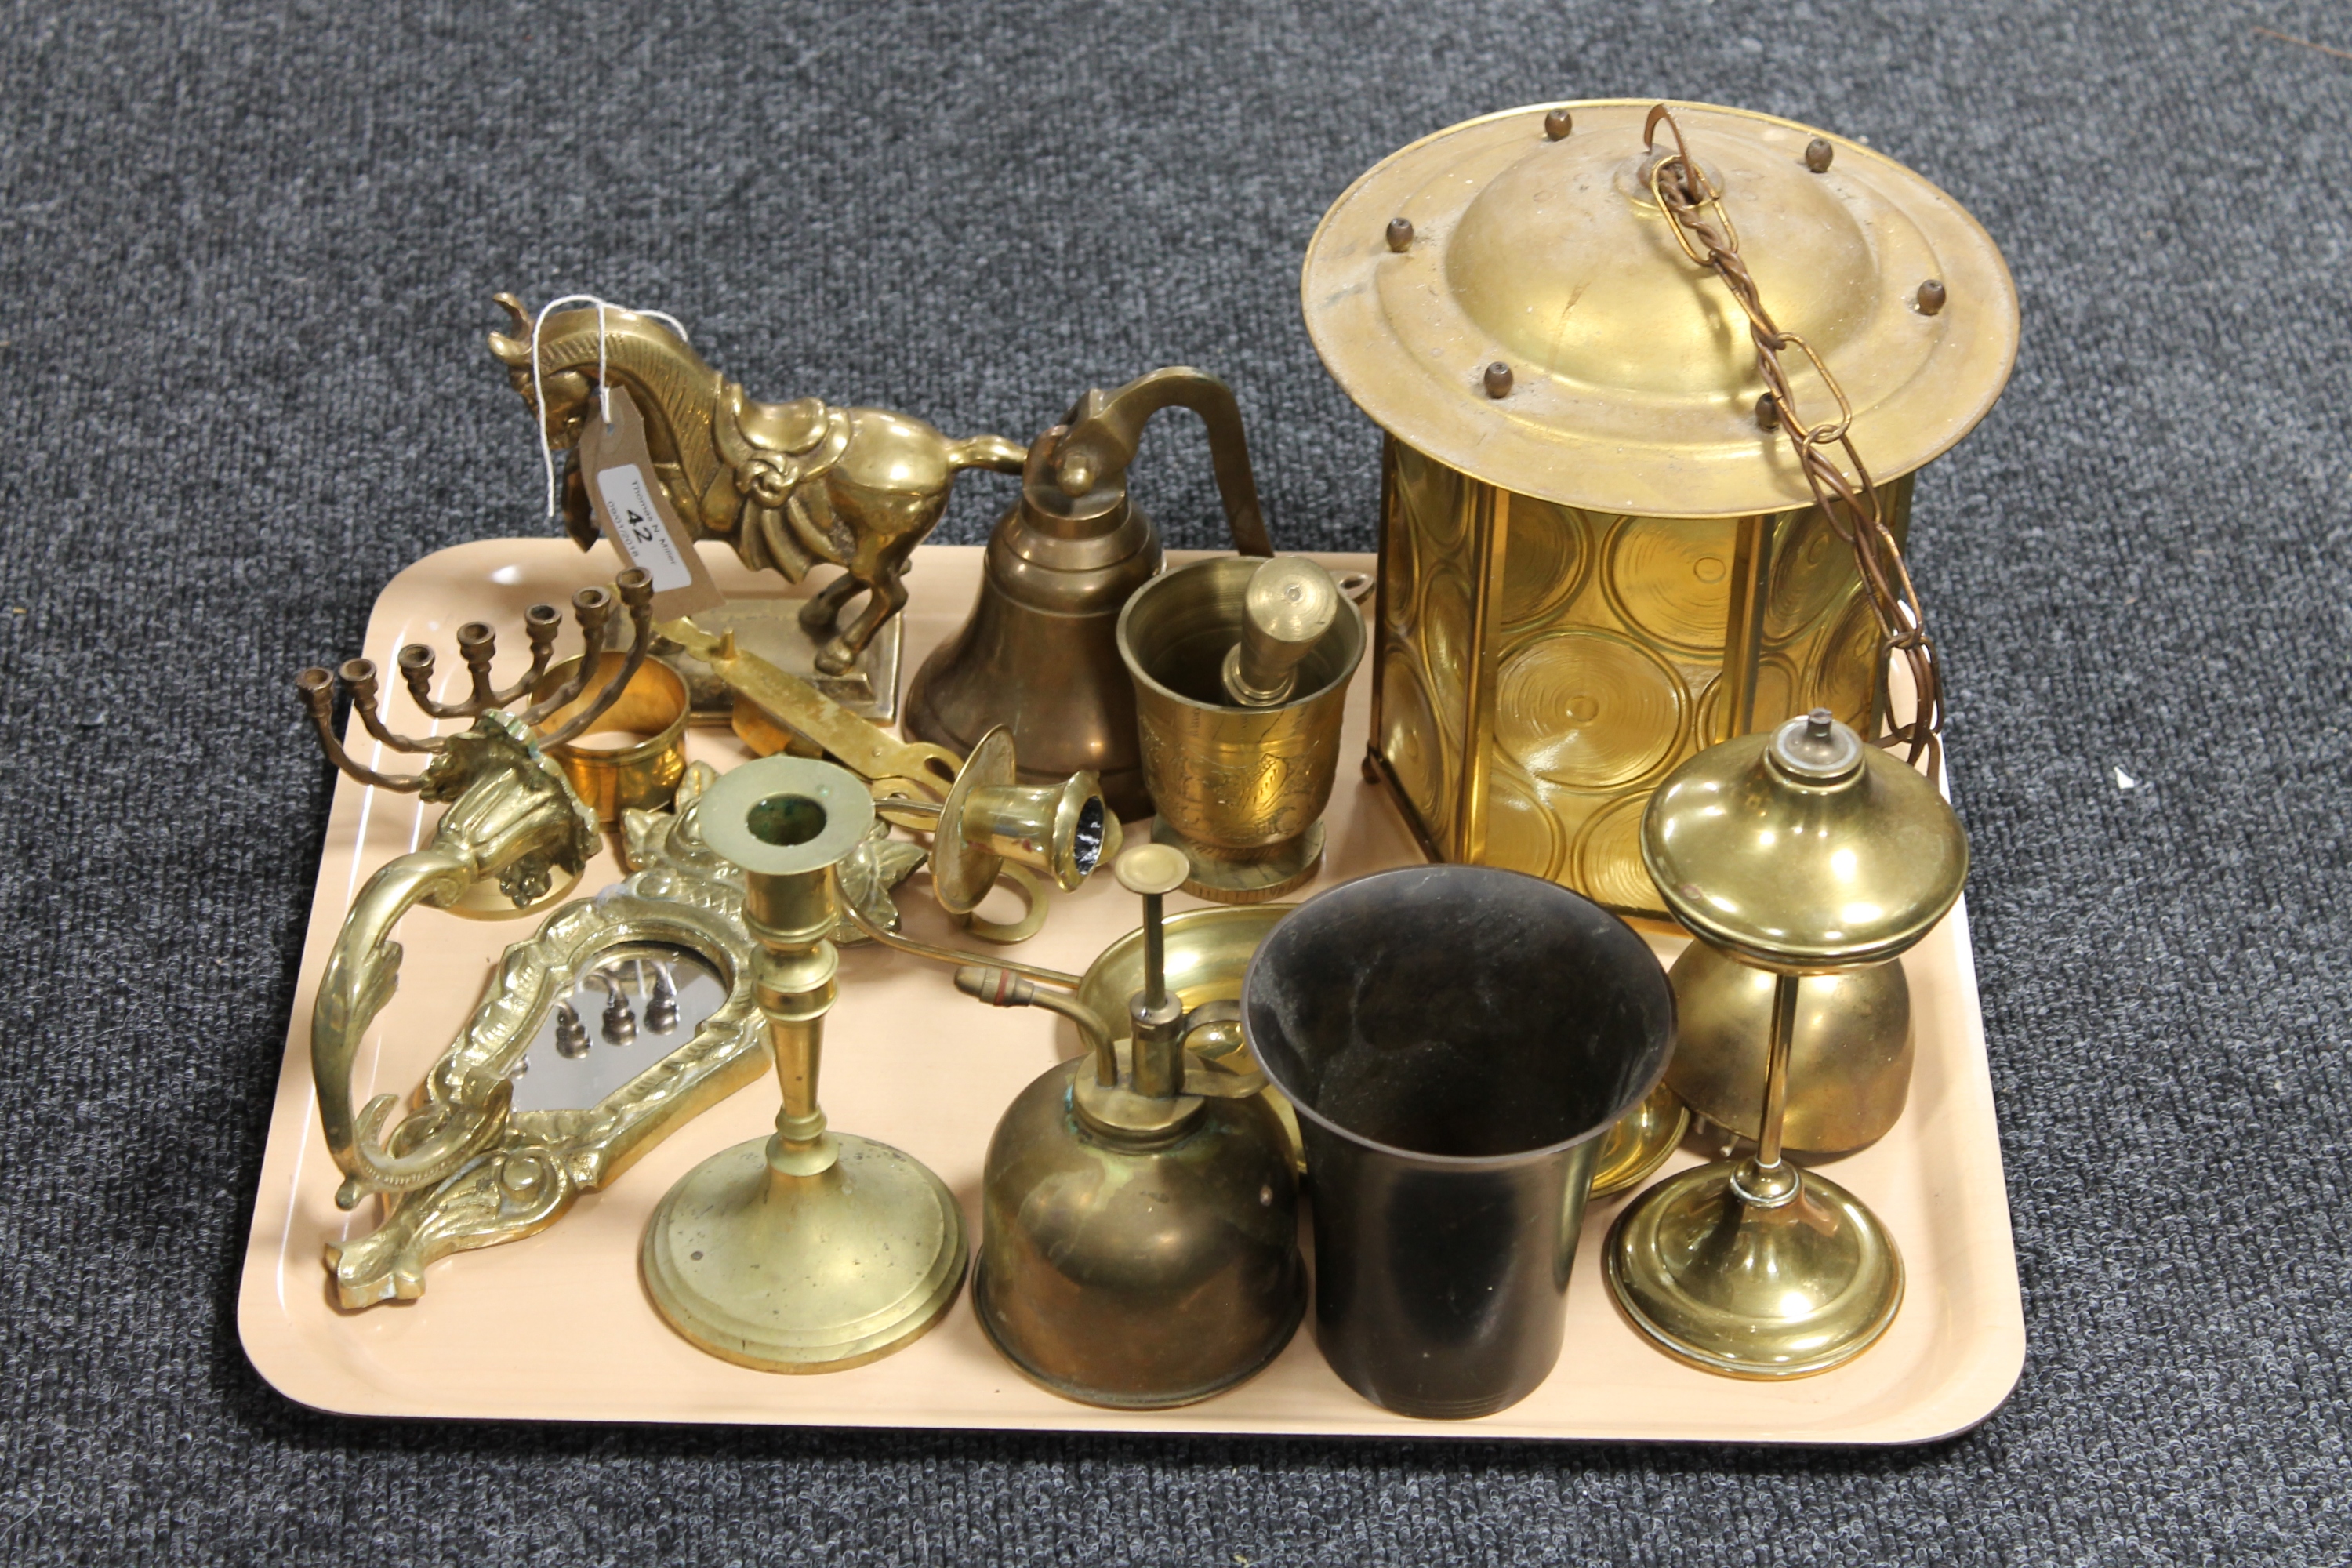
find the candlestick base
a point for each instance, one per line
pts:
(806, 1273)
(1750, 1289)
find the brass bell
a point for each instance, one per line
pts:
(1849, 1057)
(1037, 655)
(1139, 1214)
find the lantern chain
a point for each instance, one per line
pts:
(1844, 492)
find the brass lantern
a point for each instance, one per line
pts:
(1598, 555)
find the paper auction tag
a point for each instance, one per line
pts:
(634, 509)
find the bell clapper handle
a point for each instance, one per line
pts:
(1100, 434)
(1289, 605)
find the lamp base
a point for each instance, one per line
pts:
(1755, 1288)
(1221, 880)
(806, 1273)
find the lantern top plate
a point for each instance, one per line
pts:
(1633, 381)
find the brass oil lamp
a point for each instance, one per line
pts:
(1600, 549)
(1804, 852)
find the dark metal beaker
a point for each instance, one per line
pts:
(1457, 1040)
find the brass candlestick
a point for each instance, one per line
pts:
(811, 1250)
(1803, 852)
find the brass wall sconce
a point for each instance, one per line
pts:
(470, 1167)
(531, 862)
(811, 1250)
(1801, 852)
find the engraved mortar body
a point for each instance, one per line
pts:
(1238, 788)
(1596, 559)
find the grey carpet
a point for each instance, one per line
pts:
(245, 270)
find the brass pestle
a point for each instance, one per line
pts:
(1289, 605)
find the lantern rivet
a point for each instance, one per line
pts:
(1399, 233)
(1558, 124)
(1818, 154)
(1931, 296)
(1498, 380)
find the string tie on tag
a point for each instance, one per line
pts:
(603, 381)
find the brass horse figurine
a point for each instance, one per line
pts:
(787, 484)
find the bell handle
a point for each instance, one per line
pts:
(1104, 429)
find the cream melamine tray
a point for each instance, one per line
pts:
(557, 1327)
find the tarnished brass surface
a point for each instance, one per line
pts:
(1239, 789)
(1036, 655)
(787, 485)
(643, 774)
(1848, 1064)
(1137, 1280)
(773, 707)
(1138, 1232)
(1804, 852)
(810, 1251)
(1554, 258)
(1750, 1291)
(1591, 577)
(1640, 1142)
